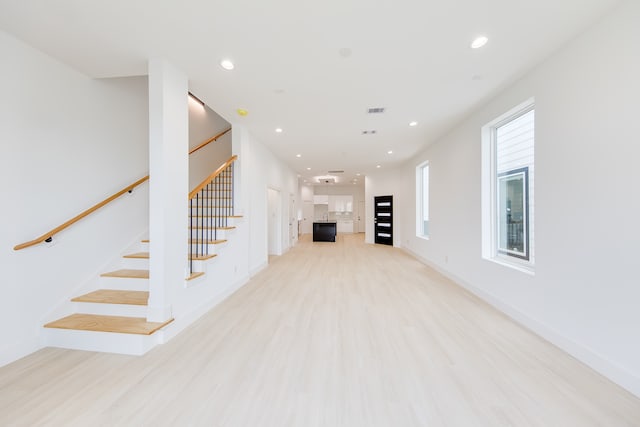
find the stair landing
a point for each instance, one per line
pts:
(99, 323)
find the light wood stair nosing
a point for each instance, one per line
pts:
(207, 242)
(127, 273)
(114, 296)
(110, 324)
(137, 255)
(203, 257)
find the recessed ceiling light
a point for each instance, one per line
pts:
(357, 174)
(227, 64)
(378, 166)
(413, 123)
(390, 152)
(308, 169)
(242, 112)
(279, 130)
(298, 155)
(479, 42)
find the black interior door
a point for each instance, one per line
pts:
(383, 219)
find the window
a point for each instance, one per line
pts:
(513, 213)
(508, 188)
(422, 200)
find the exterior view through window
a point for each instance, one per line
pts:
(508, 188)
(422, 200)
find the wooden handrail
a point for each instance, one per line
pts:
(77, 218)
(208, 141)
(211, 177)
(49, 235)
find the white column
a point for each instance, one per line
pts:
(168, 186)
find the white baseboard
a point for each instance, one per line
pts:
(598, 363)
(255, 270)
(181, 323)
(17, 352)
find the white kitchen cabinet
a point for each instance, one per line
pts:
(344, 226)
(321, 199)
(341, 203)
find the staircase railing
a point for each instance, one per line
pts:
(48, 236)
(211, 204)
(208, 141)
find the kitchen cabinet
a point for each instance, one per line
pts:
(320, 199)
(345, 226)
(340, 203)
(324, 231)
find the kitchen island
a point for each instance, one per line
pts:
(324, 231)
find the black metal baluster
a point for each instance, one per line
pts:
(190, 236)
(208, 221)
(197, 233)
(233, 199)
(217, 200)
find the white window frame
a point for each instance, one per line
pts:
(420, 193)
(489, 196)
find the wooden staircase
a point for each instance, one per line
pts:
(113, 318)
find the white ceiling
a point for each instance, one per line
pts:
(410, 56)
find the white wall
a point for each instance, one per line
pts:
(585, 292)
(66, 143)
(274, 222)
(258, 170)
(203, 124)
(168, 186)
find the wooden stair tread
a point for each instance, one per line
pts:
(209, 242)
(99, 323)
(202, 257)
(195, 275)
(111, 296)
(128, 273)
(138, 255)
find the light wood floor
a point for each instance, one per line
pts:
(331, 334)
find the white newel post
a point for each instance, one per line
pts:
(168, 186)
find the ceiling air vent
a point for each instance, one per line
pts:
(375, 110)
(330, 172)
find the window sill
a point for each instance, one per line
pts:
(422, 237)
(526, 269)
